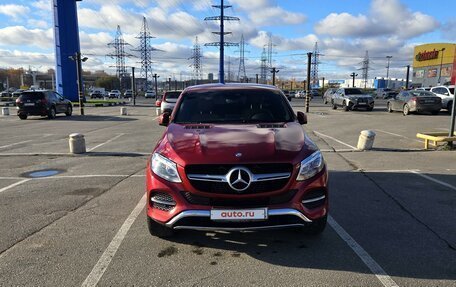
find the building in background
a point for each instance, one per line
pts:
(434, 64)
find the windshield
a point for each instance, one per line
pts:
(353, 92)
(235, 106)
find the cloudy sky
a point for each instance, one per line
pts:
(344, 30)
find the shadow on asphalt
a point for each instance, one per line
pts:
(95, 118)
(382, 211)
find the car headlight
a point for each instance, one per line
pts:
(164, 168)
(310, 166)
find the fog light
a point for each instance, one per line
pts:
(162, 201)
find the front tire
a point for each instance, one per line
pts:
(345, 107)
(334, 106)
(156, 229)
(23, 117)
(406, 110)
(52, 113)
(69, 111)
(390, 109)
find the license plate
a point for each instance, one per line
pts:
(239, 214)
(429, 101)
(29, 104)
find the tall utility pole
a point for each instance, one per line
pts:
(145, 49)
(222, 18)
(441, 62)
(388, 58)
(353, 75)
(197, 66)
(119, 54)
(155, 76)
(365, 68)
(133, 85)
(314, 66)
(264, 67)
(241, 77)
(274, 71)
(407, 77)
(309, 60)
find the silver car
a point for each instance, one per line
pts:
(352, 99)
(415, 101)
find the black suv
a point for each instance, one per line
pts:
(42, 103)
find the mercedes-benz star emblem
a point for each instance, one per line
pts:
(238, 154)
(239, 178)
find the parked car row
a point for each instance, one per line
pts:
(421, 100)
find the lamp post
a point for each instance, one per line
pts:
(441, 62)
(77, 58)
(388, 58)
(353, 75)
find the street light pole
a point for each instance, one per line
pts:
(78, 60)
(156, 86)
(388, 58)
(353, 75)
(441, 62)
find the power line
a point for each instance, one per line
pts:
(119, 53)
(145, 50)
(221, 44)
(197, 66)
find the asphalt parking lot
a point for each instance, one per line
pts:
(82, 223)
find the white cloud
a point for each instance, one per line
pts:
(272, 16)
(37, 23)
(44, 5)
(14, 11)
(387, 18)
(18, 59)
(21, 36)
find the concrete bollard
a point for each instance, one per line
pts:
(123, 111)
(77, 143)
(157, 111)
(5, 111)
(105, 98)
(366, 140)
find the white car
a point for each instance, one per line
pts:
(114, 94)
(446, 93)
(169, 101)
(149, 94)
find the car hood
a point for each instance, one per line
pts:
(209, 144)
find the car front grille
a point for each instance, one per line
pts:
(280, 175)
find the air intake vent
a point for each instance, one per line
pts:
(197, 127)
(271, 126)
(162, 201)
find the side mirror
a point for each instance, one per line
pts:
(302, 118)
(164, 119)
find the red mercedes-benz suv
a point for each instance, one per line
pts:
(235, 157)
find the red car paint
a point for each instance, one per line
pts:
(218, 144)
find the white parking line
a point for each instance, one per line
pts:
(434, 180)
(13, 144)
(398, 135)
(106, 258)
(13, 185)
(336, 140)
(376, 269)
(106, 142)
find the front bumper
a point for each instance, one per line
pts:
(297, 204)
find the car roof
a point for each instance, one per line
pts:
(231, 86)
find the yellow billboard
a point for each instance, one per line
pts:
(431, 54)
